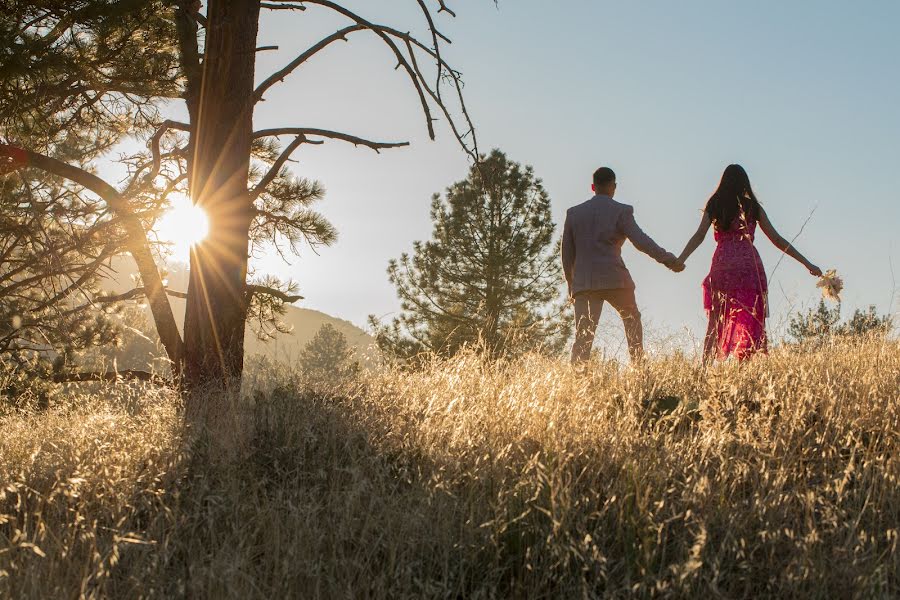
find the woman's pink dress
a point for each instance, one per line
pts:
(735, 293)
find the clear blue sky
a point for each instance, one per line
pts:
(804, 94)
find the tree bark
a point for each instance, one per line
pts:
(217, 298)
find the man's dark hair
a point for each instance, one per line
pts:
(603, 176)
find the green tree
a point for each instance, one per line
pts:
(237, 174)
(489, 274)
(328, 358)
(76, 79)
(816, 326)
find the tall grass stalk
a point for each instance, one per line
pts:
(778, 478)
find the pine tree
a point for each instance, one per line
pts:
(489, 274)
(328, 358)
(236, 174)
(56, 242)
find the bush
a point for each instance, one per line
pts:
(815, 327)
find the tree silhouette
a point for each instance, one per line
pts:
(236, 174)
(57, 241)
(328, 358)
(489, 273)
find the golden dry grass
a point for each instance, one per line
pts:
(527, 479)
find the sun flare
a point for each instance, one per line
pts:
(182, 226)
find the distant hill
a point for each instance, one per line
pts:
(285, 347)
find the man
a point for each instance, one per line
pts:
(592, 262)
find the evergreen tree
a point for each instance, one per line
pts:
(112, 63)
(76, 78)
(328, 358)
(489, 274)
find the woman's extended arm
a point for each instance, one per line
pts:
(696, 239)
(784, 245)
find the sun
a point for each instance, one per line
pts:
(182, 226)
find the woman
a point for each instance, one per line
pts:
(735, 291)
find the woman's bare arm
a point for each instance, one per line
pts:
(696, 239)
(784, 245)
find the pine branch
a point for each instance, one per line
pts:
(57, 251)
(89, 271)
(275, 293)
(28, 281)
(107, 376)
(273, 171)
(191, 9)
(139, 245)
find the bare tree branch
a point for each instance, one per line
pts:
(402, 62)
(136, 293)
(281, 6)
(302, 58)
(335, 135)
(436, 96)
(444, 71)
(300, 138)
(155, 140)
(272, 173)
(444, 8)
(435, 34)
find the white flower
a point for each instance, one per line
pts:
(831, 284)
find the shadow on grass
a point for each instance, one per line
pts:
(320, 495)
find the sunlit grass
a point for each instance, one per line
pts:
(470, 479)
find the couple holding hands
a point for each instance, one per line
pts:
(734, 293)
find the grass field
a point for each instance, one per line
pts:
(775, 479)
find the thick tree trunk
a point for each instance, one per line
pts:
(221, 137)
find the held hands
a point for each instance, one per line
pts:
(675, 265)
(814, 270)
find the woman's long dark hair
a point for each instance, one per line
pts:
(733, 197)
